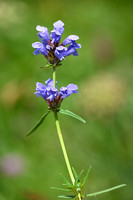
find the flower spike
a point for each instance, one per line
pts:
(51, 47)
(51, 94)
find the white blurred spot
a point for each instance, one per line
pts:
(12, 164)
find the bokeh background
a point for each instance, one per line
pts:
(104, 73)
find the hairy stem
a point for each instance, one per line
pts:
(63, 147)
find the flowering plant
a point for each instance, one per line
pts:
(55, 53)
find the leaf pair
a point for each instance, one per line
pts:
(70, 187)
(76, 188)
(93, 194)
(65, 112)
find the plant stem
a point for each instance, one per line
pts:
(63, 147)
(54, 76)
(60, 135)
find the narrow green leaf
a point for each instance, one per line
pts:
(51, 65)
(65, 180)
(46, 66)
(38, 123)
(68, 185)
(78, 178)
(67, 112)
(62, 189)
(75, 173)
(104, 191)
(67, 196)
(87, 174)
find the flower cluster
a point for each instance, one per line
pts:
(51, 47)
(51, 95)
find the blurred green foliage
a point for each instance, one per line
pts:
(104, 73)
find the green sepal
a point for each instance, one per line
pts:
(38, 123)
(67, 112)
(104, 191)
(62, 189)
(87, 174)
(67, 196)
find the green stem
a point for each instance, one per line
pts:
(54, 76)
(63, 147)
(60, 135)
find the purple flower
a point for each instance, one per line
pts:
(70, 39)
(43, 34)
(51, 48)
(39, 47)
(47, 92)
(57, 32)
(68, 90)
(60, 52)
(51, 95)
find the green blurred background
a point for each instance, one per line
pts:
(104, 73)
